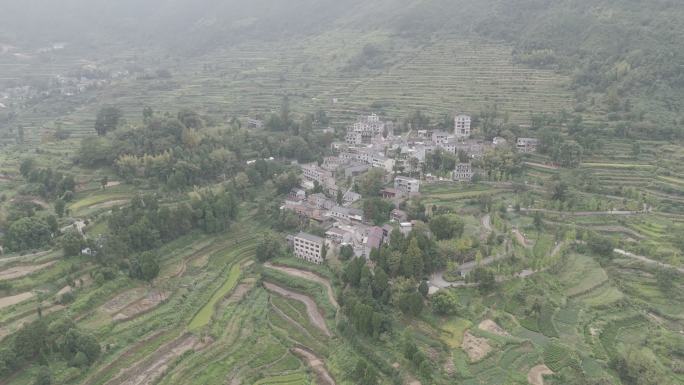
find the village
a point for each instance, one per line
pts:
(327, 197)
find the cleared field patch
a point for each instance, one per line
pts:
(536, 375)
(476, 348)
(316, 364)
(15, 299)
(22, 271)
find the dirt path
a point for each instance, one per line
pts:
(541, 165)
(15, 299)
(521, 238)
(22, 271)
(536, 374)
(315, 316)
(149, 371)
(108, 204)
(308, 276)
(647, 260)
(316, 364)
(486, 223)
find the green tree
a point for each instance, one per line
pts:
(72, 243)
(371, 182)
(364, 374)
(43, 376)
(346, 252)
(444, 302)
(27, 233)
(268, 248)
(107, 119)
(446, 226)
(145, 266)
(484, 277)
(59, 207)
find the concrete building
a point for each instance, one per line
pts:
(297, 194)
(373, 240)
(339, 236)
(527, 145)
(346, 213)
(405, 185)
(462, 126)
(320, 201)
(439, 137)
(353, 138)
(499, 141)
(398, 216)
(463, 172)
(309, 247)
(350, 197)
(314, 173)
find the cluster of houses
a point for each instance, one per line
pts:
(370, 143)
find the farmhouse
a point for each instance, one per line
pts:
(407, 185)
(463, 172)
(308, 247)
(255, 123)
(527, 145)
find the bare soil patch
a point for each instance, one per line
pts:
(240, 291)
(536, 374)
(22, 271)
(315, 316)
(308, 276)
(316, 364)
(492, 327)
(15, 299)
(122, 300)
(477, 348)
(142, 306)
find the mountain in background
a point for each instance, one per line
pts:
(624, 56)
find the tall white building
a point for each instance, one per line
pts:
(462, 126)
(308, 247)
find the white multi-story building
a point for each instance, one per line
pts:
(407, 185)
(354, 138)
(527, 145)
(463, 172)
(309, 247)
(462, 126)
(439, 137)
(367, 126)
